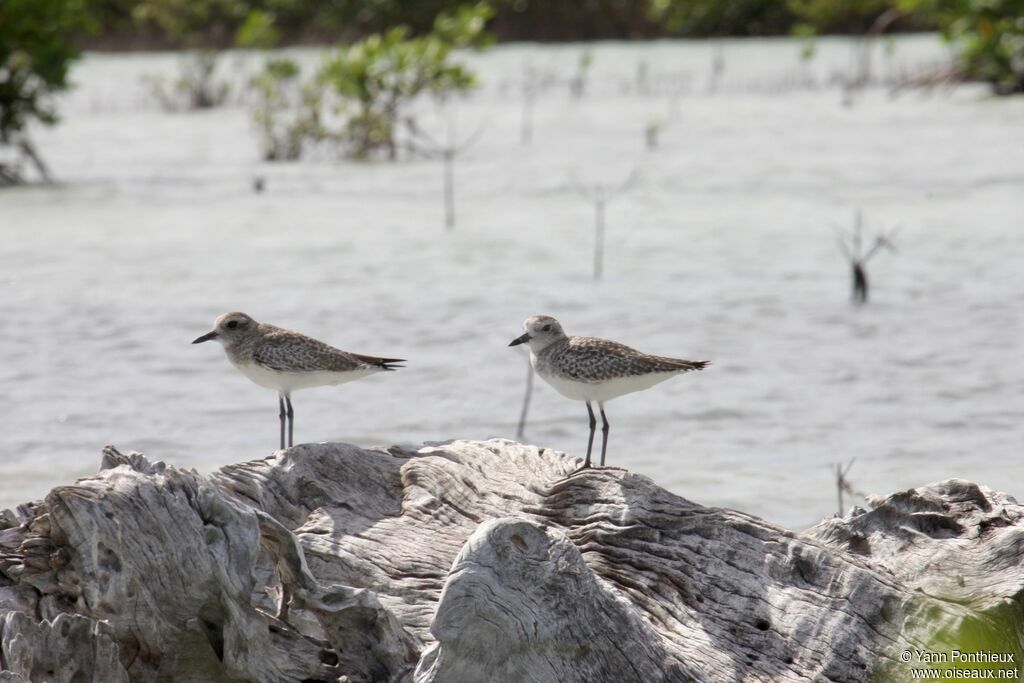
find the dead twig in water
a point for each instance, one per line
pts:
(843, 485)
(853, 251)
(521, 429)
(425, 145)
(600, 195)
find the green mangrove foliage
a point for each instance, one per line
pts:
(37, 47)
(183, 23)
(286, 111)
(187, 23)
(375, 79)
(360, 95)
(258, 31)
(197, 85)
(841, 16)
(989, 35)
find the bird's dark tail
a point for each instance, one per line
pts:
(383, 363)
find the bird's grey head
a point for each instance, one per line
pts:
(541, 332)
(229, 329)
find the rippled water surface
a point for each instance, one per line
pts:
(723, 250)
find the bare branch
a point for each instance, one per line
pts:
(521, 429)
(473, 138)
(841, 242)
(422, 152)
(858, 229)
(849, 465)
(418, 132)
(437, 149)
(626, 185)
(883, 241)
(598, 192)
(29, 151)
(890, 237)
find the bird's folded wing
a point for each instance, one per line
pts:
(589, 359)
(297, 353)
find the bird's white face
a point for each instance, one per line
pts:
(229, 328)
(541, 331)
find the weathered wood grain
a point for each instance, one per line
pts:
(479, 561)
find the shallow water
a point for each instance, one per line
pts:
(723, 250)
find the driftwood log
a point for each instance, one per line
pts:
(480, 561)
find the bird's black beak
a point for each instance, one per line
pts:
(520, 340)
(206, 337)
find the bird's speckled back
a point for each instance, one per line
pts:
(589, 359)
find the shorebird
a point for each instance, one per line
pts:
(286, 361)
(590, 369)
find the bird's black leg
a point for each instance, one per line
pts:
(604, 431)
(281, 415)
(291, 420)
(590, 439)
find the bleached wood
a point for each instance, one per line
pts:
(479, 561)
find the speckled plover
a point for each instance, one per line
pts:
(588, 369)
(286, 361)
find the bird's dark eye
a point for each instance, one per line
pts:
(233, 324)
(546, 328)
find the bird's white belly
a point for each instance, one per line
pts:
(287, 382)
(606, 390)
